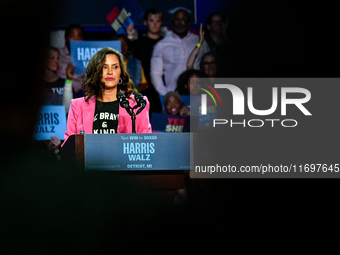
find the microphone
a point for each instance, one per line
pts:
(141, 103)
(123, 101)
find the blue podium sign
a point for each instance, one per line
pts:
(117, 152)
(82, 52)
(51, 122)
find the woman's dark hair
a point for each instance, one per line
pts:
(92, 84)
(209, 53)
(184, 78)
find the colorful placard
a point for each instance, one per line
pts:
(170, 123)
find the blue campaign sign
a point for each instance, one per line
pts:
(82, 51)
(164, 151)
(170, 123)
(51, 122)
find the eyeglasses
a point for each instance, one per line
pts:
(216, 22)
(209, 63)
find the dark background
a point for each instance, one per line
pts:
(267, 39)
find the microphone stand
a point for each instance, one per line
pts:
(133, 118)
(129, 110)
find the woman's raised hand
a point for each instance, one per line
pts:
(70, 70)
(201, 35)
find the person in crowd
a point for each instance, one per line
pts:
(143, 48)
(170, 54)
(99, 110)
(184, 87)
(215, 35)
(74, 32)
(209, 65)
(209, 60)
(133, 64)
(56, 90)
(173, 104)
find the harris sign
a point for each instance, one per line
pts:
(82, 52)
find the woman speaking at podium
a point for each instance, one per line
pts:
(99, 111)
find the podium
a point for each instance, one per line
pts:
(158, 161)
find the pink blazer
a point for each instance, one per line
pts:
(81, 113)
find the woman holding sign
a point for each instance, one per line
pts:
(99, 111)
(56, 90)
